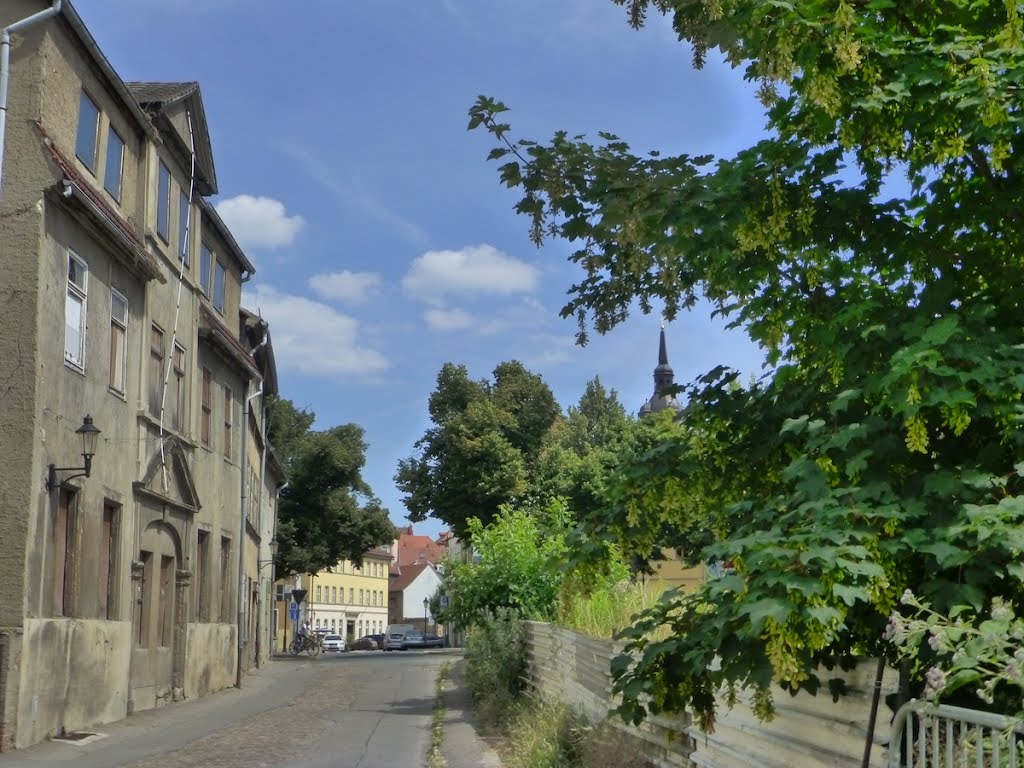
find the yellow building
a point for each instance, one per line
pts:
(348, 600)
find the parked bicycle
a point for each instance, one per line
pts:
(308, 643)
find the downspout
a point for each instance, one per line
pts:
(243, 538)
(272, 637)
(5, 70)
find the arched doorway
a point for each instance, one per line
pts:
(155, 616)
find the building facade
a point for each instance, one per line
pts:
(136, 584)
(348, 599)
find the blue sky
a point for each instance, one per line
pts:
(384, 244)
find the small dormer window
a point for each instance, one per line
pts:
(219, 275)
(114, 164)
(86, 142)
(163, 203)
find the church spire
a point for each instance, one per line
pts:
(664, 379)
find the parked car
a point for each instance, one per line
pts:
(366, 643)
(394, 637)
(395, 641)
(413, 639)
(333, 643)
(434, 641)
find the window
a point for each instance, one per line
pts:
(108, 561)
(144, 601)
(88, 131)
(204, 424)
(114, 164)
(351, 598)
(228, 453)
(205, 267)
(183, 226)
(218, 287)
(165, 610)
(63, 553)
(202, 558)
(118, 341)
(225, 579)
(163, 202)
(178, 389)
(318, 594)
(156, 369)
(74, 311)
(361, 597)
(334, 594)
(374, 597)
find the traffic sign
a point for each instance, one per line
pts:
(293, 611)
(298, 595)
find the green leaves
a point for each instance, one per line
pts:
(882, 450)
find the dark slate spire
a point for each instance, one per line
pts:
(664, 378)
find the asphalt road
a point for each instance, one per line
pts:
(351, 710)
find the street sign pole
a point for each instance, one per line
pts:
(298, 595)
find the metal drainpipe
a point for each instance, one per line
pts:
(243, 599)
(5, 70)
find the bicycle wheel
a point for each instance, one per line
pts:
(293, 648)
(313, 648)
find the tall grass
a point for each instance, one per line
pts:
(607, 610)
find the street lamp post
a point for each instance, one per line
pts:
(426, 605)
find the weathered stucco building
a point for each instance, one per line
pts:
(145, 581)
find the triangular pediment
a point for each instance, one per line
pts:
(168, 478)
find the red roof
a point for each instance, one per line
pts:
(418, 549)
(406, 576)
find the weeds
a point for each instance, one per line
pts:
(608, 610)
(435, 753)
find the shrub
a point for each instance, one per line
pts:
(496, 662)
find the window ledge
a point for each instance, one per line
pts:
(72, 365)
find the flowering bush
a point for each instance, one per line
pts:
(984, 653)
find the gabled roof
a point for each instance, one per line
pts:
(406, 576)
(165, 100)
(70, 15)
(418, 549)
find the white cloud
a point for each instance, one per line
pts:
(479, 269)
(346, 286)
(259, 221)
(448, 319)
(311, 337)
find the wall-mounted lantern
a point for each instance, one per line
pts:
(90, 436)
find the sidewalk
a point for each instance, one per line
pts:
(158, 731)
(463, 747)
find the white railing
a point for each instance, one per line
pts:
(926, 735)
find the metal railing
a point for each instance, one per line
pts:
(926, 735)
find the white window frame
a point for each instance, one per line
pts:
(81, 293)
(123, 325)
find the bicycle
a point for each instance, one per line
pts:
(308, 643)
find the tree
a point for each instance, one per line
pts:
(579, 450)
(870, 244)
(518, 569)
(478, 453)
(327, 513)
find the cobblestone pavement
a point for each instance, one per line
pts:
(346, 711)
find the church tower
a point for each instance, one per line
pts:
(664, 379)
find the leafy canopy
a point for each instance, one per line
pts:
(477, 456)
(871, 244)
(327, 513)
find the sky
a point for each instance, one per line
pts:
(384, 243)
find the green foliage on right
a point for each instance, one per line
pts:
(871, 244)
